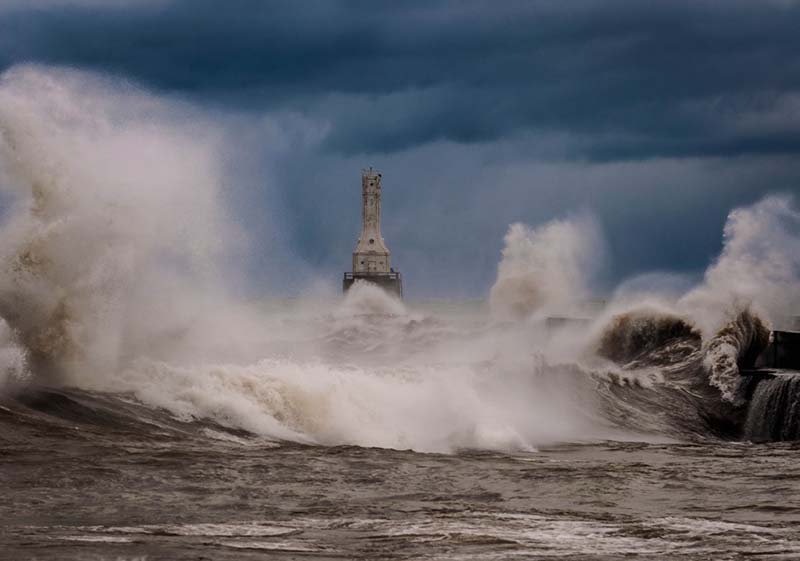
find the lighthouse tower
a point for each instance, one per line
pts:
(371, 258)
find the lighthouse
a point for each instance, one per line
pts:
(371, 258)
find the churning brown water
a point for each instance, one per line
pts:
(82, 483)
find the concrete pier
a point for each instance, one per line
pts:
(783, 351)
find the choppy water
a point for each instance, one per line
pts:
(83, 485)
(665, 472)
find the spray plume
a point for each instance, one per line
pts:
(114, 277)
(546, 268)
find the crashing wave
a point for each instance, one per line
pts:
(735, 347)
(546, 267)
(365, 299)
(647, 335)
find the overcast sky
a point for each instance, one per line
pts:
(656, 117)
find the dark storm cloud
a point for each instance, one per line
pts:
(632, 79)
(657, 117)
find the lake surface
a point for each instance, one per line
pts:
(79, 484)
(371, 431)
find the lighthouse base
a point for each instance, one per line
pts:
(390, 282)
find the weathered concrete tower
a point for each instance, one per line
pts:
(371, 258)
(371, 254)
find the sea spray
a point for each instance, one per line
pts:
(735, 346)
(113, 279)
(113, 248)
(398, 380)
(757, 270)
(14, 368)
(369, 299)
(546, 268)
(115, 227)
(753, 284)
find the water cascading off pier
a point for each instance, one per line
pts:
(773, 391)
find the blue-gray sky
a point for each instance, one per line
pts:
(657, 117)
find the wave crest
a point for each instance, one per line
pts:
(734, 347)
(637, 335)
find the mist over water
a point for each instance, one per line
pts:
(116, 277)
(547, 269)
(116, 226)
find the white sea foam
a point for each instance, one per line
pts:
(542, 535)
(96, 539)
(13, 363)
(115, 278)
(115, 275)
(758, 269)
(429, 408)
(757, 275)
(546, 269)
(116, 226)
